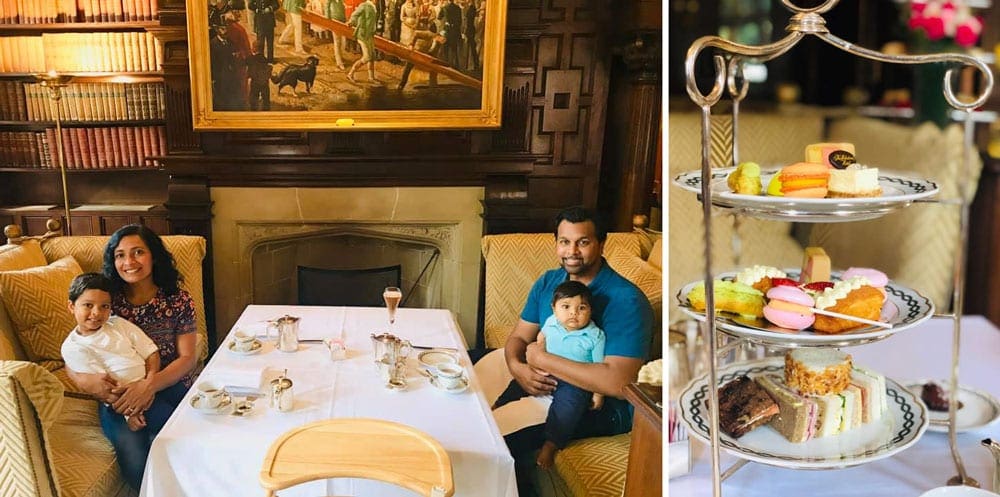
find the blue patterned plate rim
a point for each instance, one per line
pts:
(900, 427)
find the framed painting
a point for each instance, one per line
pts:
(345, 64)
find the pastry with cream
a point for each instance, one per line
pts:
(759, 277)
(854, 297)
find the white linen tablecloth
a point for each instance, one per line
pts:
(920, 353)
(199, 454)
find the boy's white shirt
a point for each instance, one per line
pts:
(119, 348)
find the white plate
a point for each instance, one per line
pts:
(978, 408)
(897, 192)
(222, 408)
(431, 358)
(957, 492)
(254, 348)
(900, 427)
(463, 386)
(904, 308)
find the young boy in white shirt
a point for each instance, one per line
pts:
(105, 344)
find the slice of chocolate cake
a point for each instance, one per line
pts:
(744, 405)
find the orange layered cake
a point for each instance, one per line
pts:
(801, 179)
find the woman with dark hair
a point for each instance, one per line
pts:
(145, 292)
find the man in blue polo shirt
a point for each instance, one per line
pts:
(618, 307)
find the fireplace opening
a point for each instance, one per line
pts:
(338, 287)
(344, 268)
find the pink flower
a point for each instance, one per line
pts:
(917, 6)
(934, 27)
(967, 34)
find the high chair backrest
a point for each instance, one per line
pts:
(358, 448)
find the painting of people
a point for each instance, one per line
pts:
(346, 64)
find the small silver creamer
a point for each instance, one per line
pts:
(282, 395)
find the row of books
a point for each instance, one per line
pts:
(84, 148)
(60, 11)
(130, 51)
(82, 102)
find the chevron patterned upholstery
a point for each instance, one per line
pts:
(75, 459)
(594, 467)
(35, 298)
(515, 261)
(914, 246)
(30, 401)
(15, 258)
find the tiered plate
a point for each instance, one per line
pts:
(900, 427)
(904, 308)
(897, 192)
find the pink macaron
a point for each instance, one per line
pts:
(789, 307)
(875, 278)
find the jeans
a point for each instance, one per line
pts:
(569, 403)
(132, 447)
(613, 418)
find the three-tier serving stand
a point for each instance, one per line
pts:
(728, 61)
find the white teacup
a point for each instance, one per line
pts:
(209, 395)
(449, 375)
(243, 340)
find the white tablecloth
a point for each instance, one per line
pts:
(920, 353)
(198, 454)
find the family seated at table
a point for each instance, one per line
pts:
(536, 367)
(583, 334)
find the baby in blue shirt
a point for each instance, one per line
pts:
(569, 333)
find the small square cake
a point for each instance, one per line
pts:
(854, 181)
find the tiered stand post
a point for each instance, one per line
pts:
(729, 61)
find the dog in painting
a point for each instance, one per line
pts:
(292, 74)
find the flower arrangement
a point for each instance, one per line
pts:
(941, 20)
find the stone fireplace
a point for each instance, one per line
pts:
(260, 235)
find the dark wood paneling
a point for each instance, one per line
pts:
(982, 286)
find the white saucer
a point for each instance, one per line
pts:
(222, 408)
(431, 358)
(255, 347)
(463, 386)
(957, 491)
(978, 408)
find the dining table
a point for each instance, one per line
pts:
(220, 453)
(922, 353)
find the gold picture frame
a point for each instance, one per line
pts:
(464, 92)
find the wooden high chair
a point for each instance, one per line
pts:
(358, 448)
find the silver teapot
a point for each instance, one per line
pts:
(288, 332)
(282, 395)
(390, 348)
(390, 359)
